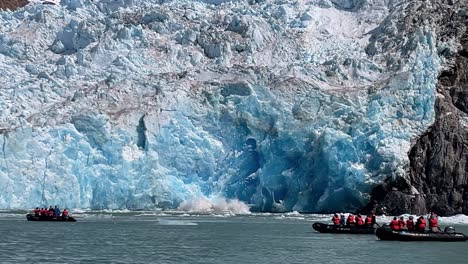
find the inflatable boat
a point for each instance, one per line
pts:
(324, 228)
(449, 235)
(32, 217)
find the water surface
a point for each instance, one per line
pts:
(181, 238)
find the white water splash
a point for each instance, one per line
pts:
(214, 205)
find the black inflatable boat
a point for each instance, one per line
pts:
(32, 217)
(386, 233)
(324, 228)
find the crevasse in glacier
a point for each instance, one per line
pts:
(153, 104)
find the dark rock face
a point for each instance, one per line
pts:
(439, 159)
(12, 4)
(438, 176)
(437, 179)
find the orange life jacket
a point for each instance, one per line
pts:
(402, 224)
(422, 224)
(368, 220)
(360, 221)
(336, 220)
(395, 225)
(410, 224)
(433, 223)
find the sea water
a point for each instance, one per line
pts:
(177, 237)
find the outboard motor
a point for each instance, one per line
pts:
(449, 229)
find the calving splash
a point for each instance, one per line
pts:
(160, 104)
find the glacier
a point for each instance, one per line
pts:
(287, 105)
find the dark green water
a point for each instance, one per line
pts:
(131, 238)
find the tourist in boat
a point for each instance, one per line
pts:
(43, 212)
(65, 214)
(401, 223)
(56, 212)
(433, 223)
(369, 221)
(51, 212)
(421, 224)
(37, 212)
(394, 224)
(336, 220)
(342, 220)
(359, 220)
(351, 220)
(410, 223)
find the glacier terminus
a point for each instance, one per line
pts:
(289, 105)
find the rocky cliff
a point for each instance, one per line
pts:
(437, 178)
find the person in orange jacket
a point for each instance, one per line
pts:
(336, 220)
(368, 221)
(434, 223)
(402, 223)
(359, 220)
(421, 224)
(410, 223)
(351, 220)
(394, 224)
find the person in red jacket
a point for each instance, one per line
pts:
(368, 221)
(37, 212)
(410, 223)
(351, 220)
(65, 214)
(433, 223)
(394, 224)
(421, 224)
(336, 220)
(402, 223)
(359, 220)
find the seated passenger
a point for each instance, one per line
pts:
(43, 212)
(434, 224)
(359, 220)
(51, 212)
(37, 212)
(56, 212)
(342, 220)
(336, 220)
(369, 221)
(65, 214)
(394, 224)
(402, 223)
(421, 224)
(410, 223)
(350, 221)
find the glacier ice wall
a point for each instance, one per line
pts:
(298, 105)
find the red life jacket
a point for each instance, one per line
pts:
(336, 220)
(402, 224)
(422, 224)
(351, 219)
(410, 224)
(360, 221)
(395, 225)
(65, 213)
(36, 211)
(368, 220)
(433, 223)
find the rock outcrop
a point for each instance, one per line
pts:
(437, 179)
(12, 4)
